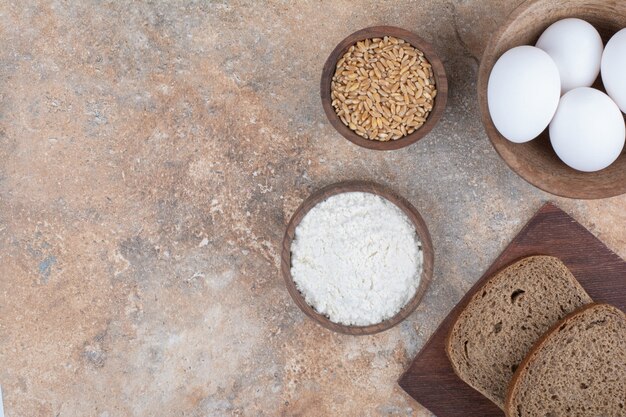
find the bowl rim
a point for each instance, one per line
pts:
(441, 82)
(400, 202)
(495, 137)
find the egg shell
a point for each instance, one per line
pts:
(588, 130)
(614, 69)
(576, 48)
(523, 93)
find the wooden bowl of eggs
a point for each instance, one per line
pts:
(552, 93)
(357, 258)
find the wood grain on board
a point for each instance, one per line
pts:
(430, 378)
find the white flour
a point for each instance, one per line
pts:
(356, 258)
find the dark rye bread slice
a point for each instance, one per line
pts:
(576, 369)
(505, 317)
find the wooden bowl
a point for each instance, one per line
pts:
(420, 228)
(441, 83)
(536, 161)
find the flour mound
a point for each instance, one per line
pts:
(356, 258)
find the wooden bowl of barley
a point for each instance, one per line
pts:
(392, 129)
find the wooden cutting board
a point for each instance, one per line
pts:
(430, 378)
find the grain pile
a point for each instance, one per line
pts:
(383, 88)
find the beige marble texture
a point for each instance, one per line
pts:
(151, 154)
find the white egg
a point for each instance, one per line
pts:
(588, 130)
(576, 48)
(523, 93)
(614, 68)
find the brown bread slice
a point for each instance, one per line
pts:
(576, 369)
(505, 317)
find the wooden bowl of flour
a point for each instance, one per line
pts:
(420, 229)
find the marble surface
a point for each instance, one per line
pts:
(150, 157)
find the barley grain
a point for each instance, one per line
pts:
(383, 89)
